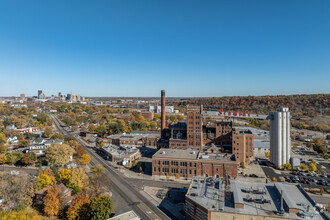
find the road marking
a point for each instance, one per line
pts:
(144, 212)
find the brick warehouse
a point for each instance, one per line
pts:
(194, 135)
(191, 163)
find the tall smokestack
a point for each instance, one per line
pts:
(163, 109)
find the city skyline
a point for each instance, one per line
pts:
(188, 48)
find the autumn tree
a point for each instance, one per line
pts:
(52, 202)
(3, 148)
(45, 178)
(85, 159)
(3, 138)
(65, 176)
(312, 167)
(13, 157)
(2, 159)
(303, 166)
(59, 154)
(101, 207)
(48, 132)
(267, 154)
(79, 178)
(56, 136)
(79, 208)
(287, 166)
(29, 158)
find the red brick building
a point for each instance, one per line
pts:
(190, 163)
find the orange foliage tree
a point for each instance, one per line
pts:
(52, 202)
(79, 208)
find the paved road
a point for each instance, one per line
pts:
(122, 189)
(31, 171)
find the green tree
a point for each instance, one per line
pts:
(101, 207)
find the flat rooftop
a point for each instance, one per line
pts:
(123, 151)
(257, 198)
(191, 155)
(177, 153)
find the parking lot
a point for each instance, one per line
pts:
(308, 180)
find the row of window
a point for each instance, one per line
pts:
(176, 163)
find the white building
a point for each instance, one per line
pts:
(280, 141)
(157, 109)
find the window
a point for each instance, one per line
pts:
(158, 162)
(174, 170)
(183, 171)
(154, 169)
(165, 163)
(174, 163)
(165, 170)
(194, 164)
(183, 164)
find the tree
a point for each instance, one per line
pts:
(52, 203)
(43, 181)
(274, 179)
(92, 128)
(13, 157)
(97, 170)
(312, 167)
(56, 136)
(320, 149)
(267, 154)
(79, 208)
(322, 191)
(65, 176)
(2, 159)
(287, 166)
(3, 148)
(29, 158)
(85, 159)
(59, 154)
(303, 166)
(79, 178)
(101, 207)
(309, 145)
(48, 132)
(3, 138)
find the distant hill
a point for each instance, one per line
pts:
(299, 105)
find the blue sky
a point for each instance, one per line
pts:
(188, 47)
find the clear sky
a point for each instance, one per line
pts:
(187, 47)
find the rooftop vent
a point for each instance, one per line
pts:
(163, 152)
(193, 152)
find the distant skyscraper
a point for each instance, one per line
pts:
(280, 141)
(39, 93)
(22, 97)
